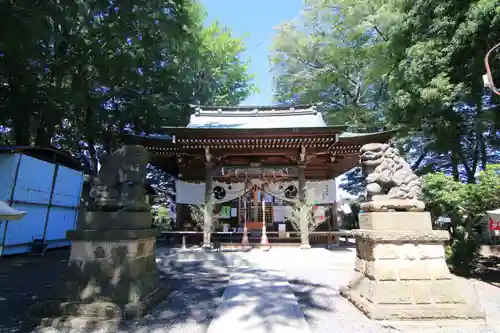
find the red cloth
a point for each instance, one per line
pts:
(493, 225)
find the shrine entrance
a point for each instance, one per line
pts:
(231, 157)
(256, 208)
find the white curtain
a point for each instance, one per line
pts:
(194, 193)
(233, 191)
(321, 192)
(278, 190)
(318, 192)
(189, 193)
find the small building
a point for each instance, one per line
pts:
(254, 162)
(46, 183)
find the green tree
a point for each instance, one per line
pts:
(333, 54)
(466, 205)
(77, 74)
(336, 54)
(436, 54)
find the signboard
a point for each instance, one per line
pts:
(493, 225)
(494, 220)
(279, 213)
(319, 213)
(225, 212)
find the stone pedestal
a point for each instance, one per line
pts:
(401, 273)
(112, 273)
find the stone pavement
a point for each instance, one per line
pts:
(258, 300)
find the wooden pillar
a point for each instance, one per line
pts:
(304, 225)
(302, 184)
(263, 237)
(245, 241)
(179, 223)
(209, 206)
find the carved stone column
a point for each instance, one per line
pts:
(112, 272)
(208, 207)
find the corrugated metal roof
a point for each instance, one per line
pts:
(52, 155)
(253, 117)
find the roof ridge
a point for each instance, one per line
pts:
(253, 108)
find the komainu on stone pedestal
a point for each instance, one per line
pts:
(400, 269)
(391, 184)
(112, 271)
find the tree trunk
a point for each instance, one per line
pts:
(21, 120)
(207, 226)
(94, 162)
(468, 226)
(455, 161)
(304, 237)
(45, 132)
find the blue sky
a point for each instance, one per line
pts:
(257, 19)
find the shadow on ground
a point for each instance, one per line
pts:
(196, 287)
(25, 279)
(488, 270)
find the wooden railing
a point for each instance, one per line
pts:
(315, 237)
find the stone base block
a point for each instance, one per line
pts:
(401, 273)
(105, 281)
(384, 204)
(395, 221)
(96, 315)
(410, 300)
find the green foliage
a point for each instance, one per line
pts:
(461, 255)
(414, 65)
(330, 55)
(437, 51)
(161, 218)
(77, 74)
(445, 196)
(197, 214)
(485, 194)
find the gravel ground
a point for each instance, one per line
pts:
(190, 306)
(315, 277)
(195, 290)
(23, 280)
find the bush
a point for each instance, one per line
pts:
(463, 252)
(164, 223)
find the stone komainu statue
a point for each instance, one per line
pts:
(120, 184)
(391, 184)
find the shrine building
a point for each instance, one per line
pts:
(255, 163)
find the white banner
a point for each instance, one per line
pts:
(194, 193)
(321, 192)
(318, 192)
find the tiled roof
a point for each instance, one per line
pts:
(256, 117)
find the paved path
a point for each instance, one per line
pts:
(258, 300)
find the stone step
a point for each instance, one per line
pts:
(190, 258)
